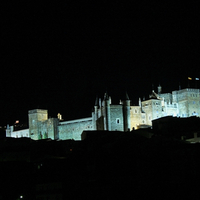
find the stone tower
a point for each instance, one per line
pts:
(35, 118)
(107, 102)
(126, 113)
(188, 101)
(95, 114)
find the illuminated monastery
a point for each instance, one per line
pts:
(106, 116)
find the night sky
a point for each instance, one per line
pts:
(61, 56)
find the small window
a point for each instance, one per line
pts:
(117, 121)
(194, 113)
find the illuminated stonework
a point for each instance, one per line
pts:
(106, 116)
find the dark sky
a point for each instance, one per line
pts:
(61, 56)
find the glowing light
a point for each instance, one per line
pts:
(59, 116)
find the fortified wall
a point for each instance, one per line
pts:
(106, 116)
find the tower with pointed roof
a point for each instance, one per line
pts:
(159, 89)
(95, 114)
(106, 112)
(112, 117)
(126, 113)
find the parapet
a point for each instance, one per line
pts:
(42, 111)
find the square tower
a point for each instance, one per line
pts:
(35, 117)
(188, 102)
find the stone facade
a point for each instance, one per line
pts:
(106, 116)
(188, 101)
(72, 129)
(16, 134)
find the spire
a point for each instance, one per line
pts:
(106, 96)
(96, 101)
(140, 104)
(110, 101)
(152, 87)
(127, 97)
(100, 102)
(159, 89)
(179, 87)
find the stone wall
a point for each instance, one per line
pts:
(116, 118)
(20, 133)
(136, 117)
(48, 129)
(35, 117)
(167, 97)
(188, 101)
(74, 128)
(147, 108)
